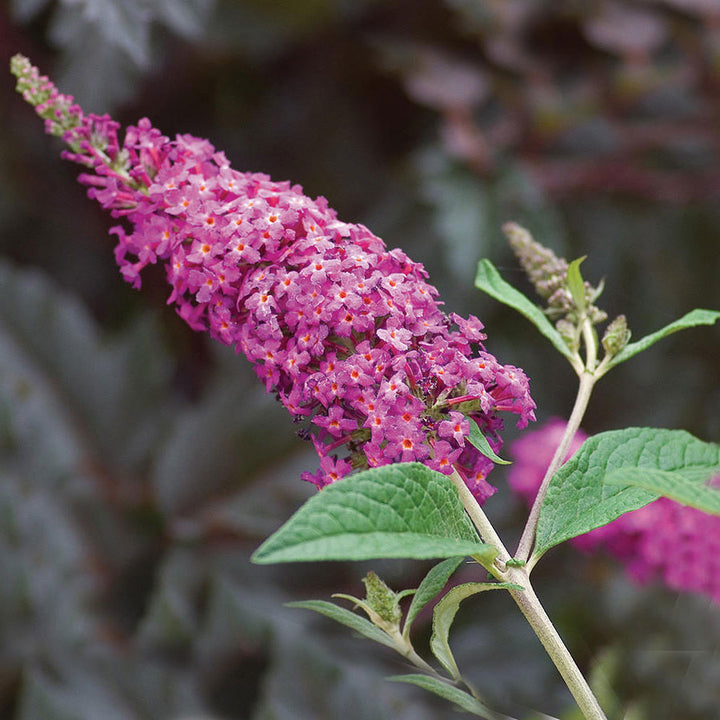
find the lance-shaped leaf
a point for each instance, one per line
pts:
(588, 492)
(692, 319)
(488, 280)
(480, 442)
(346, 617)
(448, 692)
(443, 617)
(429, 588)
(404, 510)
(576, 284)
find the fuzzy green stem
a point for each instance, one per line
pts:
(531, 608)
(405, 648)
(535, 614)
(587, 382)
(588, 378)
(484, 527)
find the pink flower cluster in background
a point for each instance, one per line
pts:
(348, 335)
(664, 540)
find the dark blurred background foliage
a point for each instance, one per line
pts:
(141, 465)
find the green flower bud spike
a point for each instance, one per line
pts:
(616, 337)
(546, 271)
(381, 604)
(569, 334)
(382, 599)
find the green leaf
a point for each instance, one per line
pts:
(431, 585)
(687, 488)
(477, 439)
(576, 284)
(405, 510)
(488, 280)
(580, 498)
(691, 319)
(346, 617)
(443, 617)
(447, 692)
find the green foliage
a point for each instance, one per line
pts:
(592, 488)
(68, 408)
(687, 487)
(477, 439)
(463, 214)
(88, 557)
(396, 511)
(135, 640)
(109, 46)
(383, 627)
(345, 617)
(576, 285)
(488, 280)
(469, 209)
(429, 588)
(448, 692)
(692, 319)
(210, 442)
(443, 617)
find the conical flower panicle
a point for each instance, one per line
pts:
(347, 334)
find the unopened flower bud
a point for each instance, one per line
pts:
(546, 271)
(381, 599)
(617, 336)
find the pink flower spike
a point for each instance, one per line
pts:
(347, 334)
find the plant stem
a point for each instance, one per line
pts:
(588, 378)
(587, 382)
(535, 614)
(403, 646)
(484, 527)
(532, 609)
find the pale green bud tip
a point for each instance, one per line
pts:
(19, 65)
(30, 83)
(381, 599)
(59, 111)
(617, 335)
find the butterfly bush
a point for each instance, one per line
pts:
(664, 540)
(347, 334)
